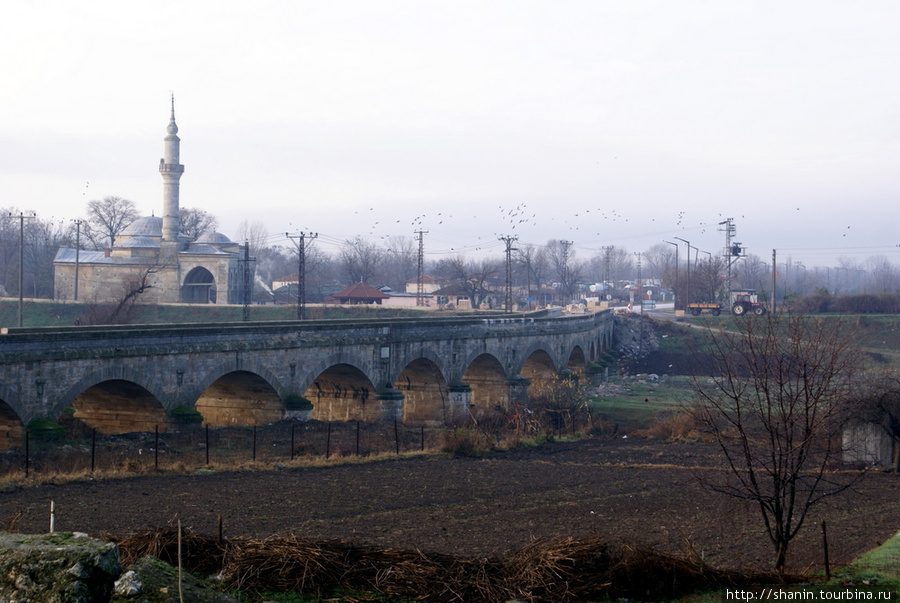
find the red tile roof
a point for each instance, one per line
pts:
(360, 291)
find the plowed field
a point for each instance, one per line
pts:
(627, 490)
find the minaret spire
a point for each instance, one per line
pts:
(171, 170)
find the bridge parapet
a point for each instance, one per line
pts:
(210, 366)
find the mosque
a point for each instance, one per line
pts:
(153, 255)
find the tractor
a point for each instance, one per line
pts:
(744, 301)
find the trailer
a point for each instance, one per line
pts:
(698, 308)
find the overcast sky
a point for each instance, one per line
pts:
(599, 122)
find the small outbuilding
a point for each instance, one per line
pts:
(360, 293)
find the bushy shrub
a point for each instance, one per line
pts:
(464, 441)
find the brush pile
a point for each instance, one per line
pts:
(565, 571)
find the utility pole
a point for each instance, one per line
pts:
(564, 267)
(420, 279)
(509, 240)
(641, 300)
(607, 253)
(301, 269)
(22, 217)
(246, 315)
(733, 250)
(774, 272)
(78, 224)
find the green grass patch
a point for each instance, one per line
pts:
(881, 563)
(48, 313)
(638, 405)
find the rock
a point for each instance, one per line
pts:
(128, 584)
(150, 580)
(59, 567)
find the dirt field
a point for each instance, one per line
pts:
(627, 490)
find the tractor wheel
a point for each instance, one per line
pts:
(716, 312)
(695, 311)
(759, 310)
(738, 309)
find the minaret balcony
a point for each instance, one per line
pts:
(171, 168)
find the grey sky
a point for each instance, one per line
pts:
(605, 123)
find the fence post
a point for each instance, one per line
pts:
(254, 442)
(292, 441)
(422, 427)
(396, 438)
(207, 444)
(156, 448)
(357, 437)
(27, 453)
(328, 441)
(93, 448)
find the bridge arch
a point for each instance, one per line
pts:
(116, 399)
(12, 430)
(343, 392)
(239, 398)
(577, 362)
(239, 394)
(425, 392)
(488, 382)
(119, 406)
(539, 366)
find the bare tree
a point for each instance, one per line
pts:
(568, 271)
(659, 262)
(360, 260)
(42, 239)
(400, 262)
(532, 267)
(774, 404)
(706, 278)
(134, 284)
(613, 264)
(751, 273)
(254, 233)
(884, 274)
(107, 218)
(474, 277)
(196, 222)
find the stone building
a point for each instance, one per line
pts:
(152, 255)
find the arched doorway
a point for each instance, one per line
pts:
(199, 287)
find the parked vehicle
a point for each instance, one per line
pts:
(698, 308)
(744, 301)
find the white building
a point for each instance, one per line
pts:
(152, 254)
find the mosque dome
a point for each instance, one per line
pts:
(213, 238)
(137, 242)
(149, 226)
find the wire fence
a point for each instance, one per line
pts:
(201, 447)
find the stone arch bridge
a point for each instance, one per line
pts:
(420, 371)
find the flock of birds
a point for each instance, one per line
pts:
(520, 222)
(464, 231)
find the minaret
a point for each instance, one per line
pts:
(171, 170)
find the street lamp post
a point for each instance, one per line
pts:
(687, 289)
(677, 284)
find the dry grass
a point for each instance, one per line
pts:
(128, 469)
(675, 426)
(566, 571)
